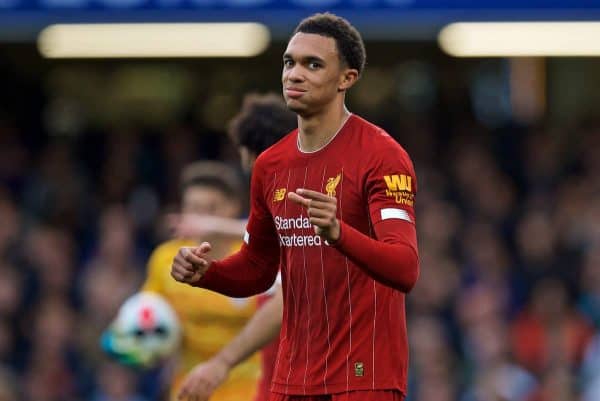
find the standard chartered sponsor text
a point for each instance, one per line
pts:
(293, 239)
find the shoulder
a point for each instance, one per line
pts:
(381, 144)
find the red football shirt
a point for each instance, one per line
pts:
(344, 323)
(342, 330)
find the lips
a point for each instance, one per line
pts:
(294, 92)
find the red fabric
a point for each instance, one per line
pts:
(392, 259)
(381, 395)
(344, 323)
(240, 275)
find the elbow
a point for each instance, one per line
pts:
(266, 284)
(256, 286)
(408, 284)
(410, 276)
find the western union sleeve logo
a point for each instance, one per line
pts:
(399, 187)
(279, 195)
(398, 182)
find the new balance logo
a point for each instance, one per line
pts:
(279, 195)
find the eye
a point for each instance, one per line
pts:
(313, 65)
(288, 63)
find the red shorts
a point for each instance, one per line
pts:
(375, 395)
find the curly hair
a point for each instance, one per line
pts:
(349, 42)
(262, 121)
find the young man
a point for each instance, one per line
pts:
(333, 205)
(262, 121)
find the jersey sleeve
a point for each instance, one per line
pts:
(391, 186)
(389, 254)
(254, 268)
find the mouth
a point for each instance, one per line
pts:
(294, 93)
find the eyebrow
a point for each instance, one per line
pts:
(305, 58)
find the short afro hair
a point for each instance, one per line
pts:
(348, 40)
(262, 121)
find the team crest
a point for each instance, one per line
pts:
(279, 195)
(359, 369)
(332, 184)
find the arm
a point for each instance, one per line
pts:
(250, 271)
(391, 257)
(260, 330)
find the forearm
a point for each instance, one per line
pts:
(395, 263)
(260, 330)
(241, 274)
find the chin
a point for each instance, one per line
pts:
(294, 106)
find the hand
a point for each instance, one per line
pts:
(190, 263)
(203, 380)
(321, 210)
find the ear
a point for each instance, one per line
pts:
(347, 79)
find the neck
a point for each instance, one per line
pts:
(316, 131)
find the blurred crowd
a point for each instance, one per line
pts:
(507, 307)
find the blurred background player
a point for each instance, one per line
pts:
(262, 121)
(209, 320)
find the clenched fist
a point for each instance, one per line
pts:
(190, 263)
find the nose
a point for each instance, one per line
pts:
(294, 74)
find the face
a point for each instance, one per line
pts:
(207, 200)
(313, 76)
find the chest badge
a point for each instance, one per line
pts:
(359, 369)
(332, 184)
